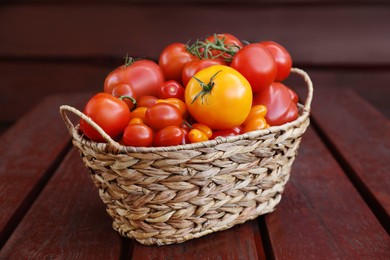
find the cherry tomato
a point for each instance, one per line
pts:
(282, 58)
(173, 59)
(256, 111)
(257, 64)
(178, 103)
(280, 105)
(196, 136)
(293, 94)
(230, 42)
(162, 115)
(170, 135)
(109, 112)
(138, 135)
(136, 120)
(127, 93)
(204, 128)
(223, 133)
(192, 67)
(256, 123)
(185, 139)
(144, 76)
(146, 101)
(238, 129)
(222, 101)
(171, 89)
(139, 112)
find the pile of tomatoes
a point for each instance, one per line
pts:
(218, 86)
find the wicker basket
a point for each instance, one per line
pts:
(164, 195)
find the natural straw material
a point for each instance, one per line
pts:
(164, 195)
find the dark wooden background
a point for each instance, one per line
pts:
(49, 47)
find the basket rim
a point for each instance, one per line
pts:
(114, 147)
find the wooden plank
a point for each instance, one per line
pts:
(362, 143)
(315, 35)
(321, 214)
(240, 242)
(25, 84)
(30, 151)
(67, 221)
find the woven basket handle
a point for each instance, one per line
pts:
(113, 145)
(309, 84)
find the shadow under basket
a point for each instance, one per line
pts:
(165, 195)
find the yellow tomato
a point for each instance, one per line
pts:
(219, 97)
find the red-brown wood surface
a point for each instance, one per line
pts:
(239, 242)
(321, 214)
(318, 35)
(30, 151)
(361, 137)
(67, 221)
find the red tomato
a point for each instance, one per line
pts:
(171, 89)
(173, 59)
(144, 76)
(109, 112)
(147, 101)
(162, 115)
(256, 63)
(230, 42)
(282, 58)
(281, 108)
(138, 135)
(223, 133)
(192, 67)
(127, 93)
(170, 135)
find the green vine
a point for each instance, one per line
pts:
(206, 88)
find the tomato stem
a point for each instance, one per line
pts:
(129, 60)
(132, 100)
(206, 88)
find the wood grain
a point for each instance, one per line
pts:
(67, 221)
(30, 151)
(315, 35)
(363, 151)
(322, 214)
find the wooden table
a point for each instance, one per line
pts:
(336, 204)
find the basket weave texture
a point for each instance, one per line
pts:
(164, 195)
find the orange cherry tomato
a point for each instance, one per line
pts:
(139, 112)
(136, 120)
(204, 128)
(256, 123)
(256, 111)
(196, 136)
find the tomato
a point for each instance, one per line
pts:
(257, 64)
(223, 133)
(138, 135)
(173, 59)
(279, 102)
(255, 123)
(162, 115)
(178, 103)
(256, 111)
(196, 136)
(139, 112)
(204, 128)
(231, 43)
(171, 89)
(282, 58)
(185, 139)
(144, 76)
(222, 101)
(127, 93)
(136, 120)
(293, 95)
(192, 67)
(170, 135)
(146, 101)
(109, 112)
